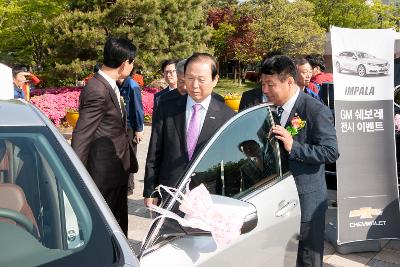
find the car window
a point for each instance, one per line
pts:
(45, 190)
(243, 158)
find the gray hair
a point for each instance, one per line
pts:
(180, 67)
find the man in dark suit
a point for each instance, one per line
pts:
(168, 69)
(100, 138)
(307, 151)
(252, 98)
(183, 126)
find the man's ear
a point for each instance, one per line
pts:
(291, 81)
(215, 81)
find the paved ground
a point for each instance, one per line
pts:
(139, 222)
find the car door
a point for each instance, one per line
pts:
(243, 162)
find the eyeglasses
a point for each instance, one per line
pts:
(169, 72)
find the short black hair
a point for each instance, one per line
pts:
(300, 61)
(198, 56)
(17, 69)
(316, 60)
(168, 62)
(281, 65)
(118, 50)
(247, 143)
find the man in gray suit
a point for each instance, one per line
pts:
(100, 138)
(307, 152)
(183, 125)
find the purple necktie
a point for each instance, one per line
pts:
(193, 130)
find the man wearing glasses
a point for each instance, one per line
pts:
(168, 69)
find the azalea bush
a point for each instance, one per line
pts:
(55, 101)
(148, 102)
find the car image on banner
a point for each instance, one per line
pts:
(52, 214)
(360, 63)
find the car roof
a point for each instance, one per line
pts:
(16, 112)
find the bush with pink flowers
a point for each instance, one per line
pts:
(54, 102)
(148, 102)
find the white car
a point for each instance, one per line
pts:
(360, 63)
(52, 214)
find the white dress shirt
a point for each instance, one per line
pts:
(113, 85)
(288, 106)
(203, 111)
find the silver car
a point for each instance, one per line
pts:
(52, 214)
(360, 63)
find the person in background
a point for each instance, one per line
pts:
(304, 73)
(21, 83)
(319, 77)
(168, 69)
(131, 92)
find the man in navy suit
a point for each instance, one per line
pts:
(307, 151)
(172, 142)
(252, 98)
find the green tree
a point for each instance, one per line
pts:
(161, 28)
(287, 27)
(23, 30)
(343, 13)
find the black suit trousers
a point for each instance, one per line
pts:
(311, 243)
(117, 200)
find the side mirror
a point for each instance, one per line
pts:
(247, 210)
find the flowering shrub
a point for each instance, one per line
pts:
(148, 102)
(139, 79)
(55, 101)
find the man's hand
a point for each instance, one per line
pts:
(283, 135)
(150, 200)
(138, 137)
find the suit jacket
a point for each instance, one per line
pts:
(251, 98)
(167, 156)
(131, 93)
(313, 147)
(100, 137)
(157, 97)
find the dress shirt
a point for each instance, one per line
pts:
(113, 85)
(203, 111)
(288, 106)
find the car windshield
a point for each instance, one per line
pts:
(45, 211)
(364, 55)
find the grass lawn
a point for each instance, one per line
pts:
(226, 86)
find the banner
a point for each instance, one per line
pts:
(367, 192)
(6, 83)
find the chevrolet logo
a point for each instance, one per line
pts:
(365, 213)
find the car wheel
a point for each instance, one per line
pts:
(361, 71)
(338, 67)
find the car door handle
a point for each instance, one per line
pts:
(285, 207)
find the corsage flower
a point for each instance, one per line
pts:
(296, 124)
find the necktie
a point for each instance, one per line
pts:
(193, 130)
(280, 111)
(116, 90)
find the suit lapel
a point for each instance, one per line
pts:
(114, 98)
(180, 120)
(295, 109)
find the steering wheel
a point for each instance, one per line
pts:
(20, 219)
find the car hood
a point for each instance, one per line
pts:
(375, 60)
